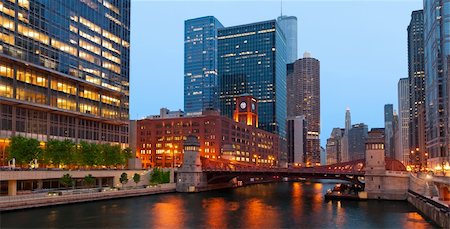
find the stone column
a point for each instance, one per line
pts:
(12, 187)
(172, 175)
(40, 184)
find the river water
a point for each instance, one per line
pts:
(276, 205)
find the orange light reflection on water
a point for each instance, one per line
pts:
(297, 195)
(168, 213)
(258, 214)
(415, 220)
(216, 212)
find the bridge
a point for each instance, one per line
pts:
(199, 173)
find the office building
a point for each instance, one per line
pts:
(303, 86)
(288, 25)
(334, 146)
(389, 145)
(252, 60)
(402, 153)
(64, 70)
(296, 140)
(344, 141)
(416, 76)
(357, 136)
(160, 140)
(437, 61)
(200, 64)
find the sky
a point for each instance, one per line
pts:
(361, 46)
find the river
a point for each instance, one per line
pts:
(275, 205)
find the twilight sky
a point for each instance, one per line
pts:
(361, 45)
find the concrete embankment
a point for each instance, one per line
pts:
(435, 211)
(41, 200)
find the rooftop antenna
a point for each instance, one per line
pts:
(281, 8)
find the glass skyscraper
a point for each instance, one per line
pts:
(64, 70)
(288, 25)
(252, 60)
(200, 64)
(437, 61)
(416, 78)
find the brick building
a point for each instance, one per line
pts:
(159, 140)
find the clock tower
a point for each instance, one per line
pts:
(246, 110)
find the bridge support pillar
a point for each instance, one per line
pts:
(190, 177)
(444, 192)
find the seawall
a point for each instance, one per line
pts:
(435, 211)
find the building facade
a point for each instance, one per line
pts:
(437, 61)
(252, 60)
(357, 136)
(334, 146)
(200, 64)
(416, 76)
(160, 140)
(296, 141)
(303, 86)
(389, 145)
(288, 25)
(403, 121)
(64, 70)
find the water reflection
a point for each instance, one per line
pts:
(216, 209)
(168, 213)
(278, 205)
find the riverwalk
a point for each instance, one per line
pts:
(8, 203)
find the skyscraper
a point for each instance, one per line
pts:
(357, 137)
(344, 140)
(416, 76)
(288, 25)
(296, 140)
(200, 64)
(389, 130)
(303, 86)
(252, 60)
(334, 147)
(64, 70)
(404, 118)
(437, 61)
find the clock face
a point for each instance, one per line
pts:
(253, 106)
(243, 105)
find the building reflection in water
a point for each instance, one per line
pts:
(216, 212)
(258, 214)
(297, 203)
(169, 213)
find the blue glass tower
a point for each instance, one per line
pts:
(252, 60)
(437, 61)
(200, 64)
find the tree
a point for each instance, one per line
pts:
(24, 149)
(159, 177)
(123, 179)
(89, 180)
(125, 155)
(136, 178)
(90, 154)
(59, 152)
(110, 154)
(66, 180)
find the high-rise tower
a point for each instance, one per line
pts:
(389, 130)
(416, 77)
(303, 85)
(437, 61)
(288, 25)
(403, 122)
(64, 70)
(252, 60)
(200, 64)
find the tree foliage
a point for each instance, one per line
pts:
(24, 149)
(89, 180)
(136, 178)
(159, 177)
(60, 152)
(123, 178)
(66, 180)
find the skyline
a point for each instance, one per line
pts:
(384, 63)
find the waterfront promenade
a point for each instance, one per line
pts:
(76, 196)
